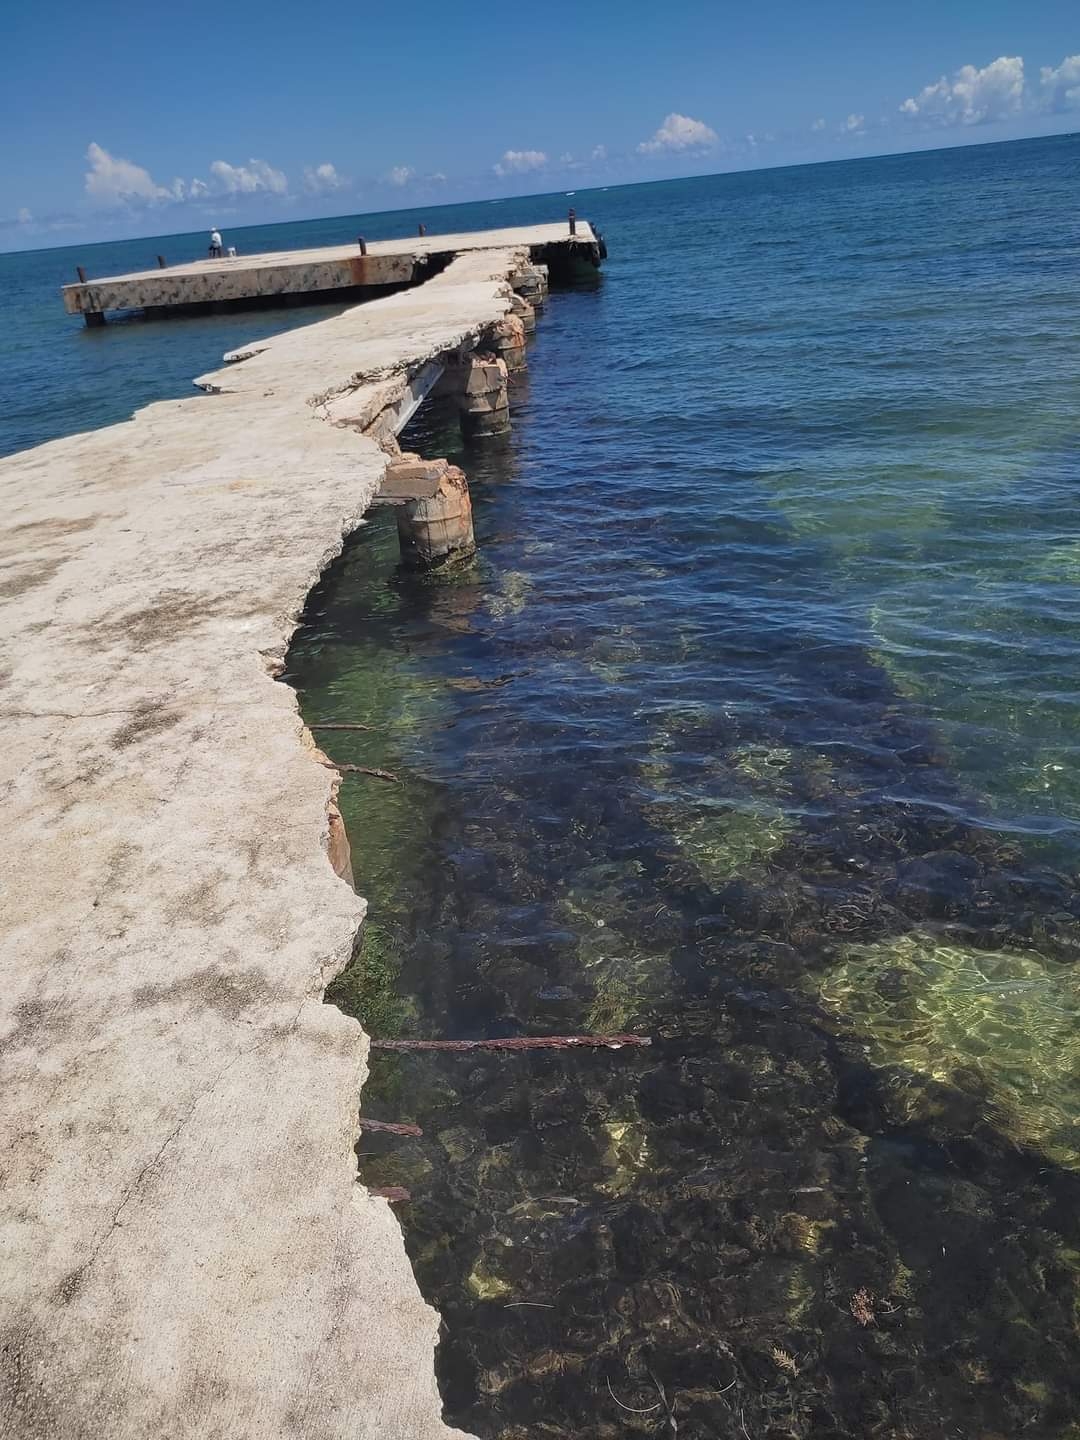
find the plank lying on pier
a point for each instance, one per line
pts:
(314, 272)
(185, 1249)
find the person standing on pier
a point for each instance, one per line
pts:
(215, 244)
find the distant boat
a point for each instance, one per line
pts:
(571, 192)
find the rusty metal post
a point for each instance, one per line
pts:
(362, 243)
(161, 262)
(573, 222)
(422, 228)
(81, 274)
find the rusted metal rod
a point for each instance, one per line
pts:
(573, 222)
(362, 243)
(422, 229)
(393, 1193)
(161, 262)
(364, 770)
(81, 274)
(340, 725)
(519, 1042)
(389, 1127)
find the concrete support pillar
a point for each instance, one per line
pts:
(484, 399)
(531, 281)
(478, 383)
(506, 340)
(525, 313)
(435, 526)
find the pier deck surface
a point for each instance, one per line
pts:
(299, 272)
(184, 1248)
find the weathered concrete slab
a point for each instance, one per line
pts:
(305, 272)
(184, 1248)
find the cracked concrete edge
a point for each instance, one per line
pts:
(450, 311)
(185, 1247)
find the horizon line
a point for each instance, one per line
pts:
(543, 194)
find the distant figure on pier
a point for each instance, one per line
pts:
(215, 244)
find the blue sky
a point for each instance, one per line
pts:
(125, 119)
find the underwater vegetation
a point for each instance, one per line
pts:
(752, 729)
(839, 1194)
(1001, 1025)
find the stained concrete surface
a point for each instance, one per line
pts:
(184, 1248)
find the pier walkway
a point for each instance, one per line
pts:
(318, 273)
(185, 1250)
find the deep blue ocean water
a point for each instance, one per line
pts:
(752, 729)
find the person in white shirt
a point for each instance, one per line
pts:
(215, 244)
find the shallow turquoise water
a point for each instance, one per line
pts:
(753, 729)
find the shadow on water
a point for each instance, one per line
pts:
(656, 776)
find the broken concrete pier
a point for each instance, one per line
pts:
(185, 1249)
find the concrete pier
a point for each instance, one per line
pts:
(326, 273)
(185, 1250)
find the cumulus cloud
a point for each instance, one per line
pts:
(250, 179)
(401, 175)
(114, 181)
(972, 96)
(24, 217)
(323, 179)
(819, 123)
(854, 125)
(1061, 84)
(520, 162)
(679, 132)
(598, 153)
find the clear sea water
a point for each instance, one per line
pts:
(753, 728)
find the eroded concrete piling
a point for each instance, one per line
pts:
(506, 341)
(478, 384)
(531, 282)
(434, 530)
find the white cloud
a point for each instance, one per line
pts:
(438, 178)
(323, 179)
(520, 162)
(247, 179)
(819, 124)
(113, 181)
(679, 132)
(599, 153)
(401, 175)
(1061, 84)
(854, 125)
(971, 97)
(24, 217)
